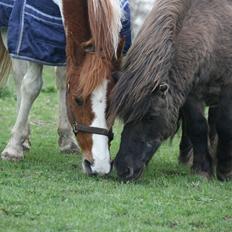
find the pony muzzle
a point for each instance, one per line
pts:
(130, 174)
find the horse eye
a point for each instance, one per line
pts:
(79, 101)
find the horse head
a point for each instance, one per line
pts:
(94, 52)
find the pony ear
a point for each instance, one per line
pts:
(162, 89)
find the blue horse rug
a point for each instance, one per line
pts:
(126, 25)
(36, 32)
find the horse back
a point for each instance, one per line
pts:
(206, 35)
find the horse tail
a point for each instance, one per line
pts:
(5, 63)
(105, 25)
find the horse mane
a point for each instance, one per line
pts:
(149, 60)
(105, 25)
(104, 20)
(94, 70)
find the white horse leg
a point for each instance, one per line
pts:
(30, 89)
(67, 142)
(20, 69)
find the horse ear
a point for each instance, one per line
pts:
(161, 89)
(120, 48)
(118, 58)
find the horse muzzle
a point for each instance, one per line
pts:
(129, 173)
(91, 170)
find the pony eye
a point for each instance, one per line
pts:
(79, 101)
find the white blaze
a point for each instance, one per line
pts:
(100, 148)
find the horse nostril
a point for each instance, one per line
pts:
(130, 172)
(87, 167)
(127, 173)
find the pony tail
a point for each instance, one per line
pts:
(5, 64)
(105, 25)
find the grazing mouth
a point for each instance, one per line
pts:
(132, 175)
(87, 166)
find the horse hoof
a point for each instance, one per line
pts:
(27, 145)
(205, 175)
(70, 148)
(186, 160)
(12, 155)
(224, 176)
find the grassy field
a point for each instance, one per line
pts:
(48, 191)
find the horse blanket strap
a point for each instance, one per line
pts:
(36, 32)
(92, 130)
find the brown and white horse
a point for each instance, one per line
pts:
(93, 52)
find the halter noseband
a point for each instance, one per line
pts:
(92, 130)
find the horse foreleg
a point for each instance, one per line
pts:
(30, 89)
(186, 149)
(224, 131)
(197, 130)
(213, 137)
(20, 69)
(67, 142)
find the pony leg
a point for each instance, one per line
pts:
(186, 149)
(67, 142)
(224, 130)
(213, 138)
(20, 69)
(30, 89)
(197, 130)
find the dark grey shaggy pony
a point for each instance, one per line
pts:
(184, 50)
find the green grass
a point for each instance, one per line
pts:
(48, 191)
